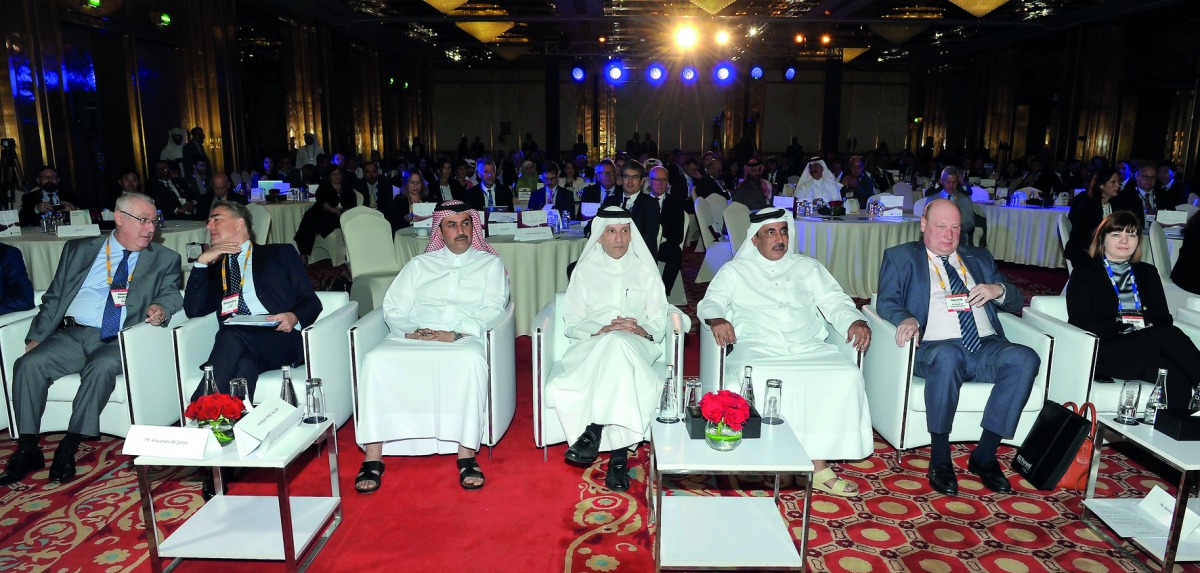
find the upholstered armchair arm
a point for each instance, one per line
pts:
(365, 335)
(12, 346)
(678, 325)
(712, 361)
(1073, 364)
(327, 354)
(1025, 334)
(193, 342)
(502, 375)
(542, 357)
(153, 391)
(887, 372)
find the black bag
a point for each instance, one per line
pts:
(1052, 443)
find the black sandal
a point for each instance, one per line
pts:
(469, 468)
(372, 472)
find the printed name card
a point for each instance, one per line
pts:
(533, 234)
(1172, 218)
(257, 195)
(589, 210)
(501, 217)
(264, 425)
(170, 442)
(496, 229)
(896, 212)
(80, 217)
(891, 201)
(10, 224)
(1161, 506)
(784, 202)
(533, 218)
(78, 230)
(424, 210)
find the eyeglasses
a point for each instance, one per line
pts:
(142, 220)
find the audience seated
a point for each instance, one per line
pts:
(323, 217)
(44, 198)
(1120, 299)
(490, 192)
(950, 187)
(671, 220)
(199, 180)
(1174, 192)
(398, 210)
(605, 185)
(437, 309)
(864, 184)
(753, 192)
(102, 284)
(373, 191)
(958, 338)
(767, 303)
(307, 154)
(193, 151)
(1087, 211)
(711, 181)
(446, 186)
(817, 182)
(16, 291)
(170, 194)
(606, 395)
(220, 191)
(551, 195)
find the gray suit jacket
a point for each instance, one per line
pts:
(156, 281)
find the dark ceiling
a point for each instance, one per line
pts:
(898, 32)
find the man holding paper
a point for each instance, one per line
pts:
(489, 193)
(102, 285)
(423, 390)
(235, 277)
(550, 195)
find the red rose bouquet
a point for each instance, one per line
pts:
(216, 412)
(725, 408)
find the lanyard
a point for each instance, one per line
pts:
(936, 269)
(108, 265)
(245, 265)
(1137, 300)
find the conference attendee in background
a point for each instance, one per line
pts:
(817, 182)
(235, 276)
(1087, 210)
(307, 154)
(437, 311)
(1174, 192)
(1186, 273)
(864, 184)
(490, 193)
(1120, 299)
(45, 198)
(944, 296)
(16, 290)
(1132, 196)
(102, 285)
(170, 194)
(172, 152)
(753, 191)
(527, 181)
(949, 186)
(642, 207)
(614, 317)
(400, 209)
(128, 181)
(200, 180)
(446, 188)
(570, 178)
(710, 182)
(269, 172)
(371, 187)
(551, 195)
(221, 191)
(324, 217)
(671, 217)
(605, 185)
(771, 304)
(193, 151)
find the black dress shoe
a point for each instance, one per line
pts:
(20, 464)
(942, 479)
(618, 475)
(62, 469)
(990, 474)
(584, 450)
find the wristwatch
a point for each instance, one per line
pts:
(458, 336)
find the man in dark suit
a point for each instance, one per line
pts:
(710, 182)
(489, 192)
(642, 207)
(221, 191)
(753, 192)
(102, 285)
(1174, 191)
(562, 199)
(16, 291)
(371, 187)
(193, 151)
(958, 337)
(679, 187)
(605, 185)
(44, 198)
(199, 183)
(671, 217)
(236, 277)
(170, 195)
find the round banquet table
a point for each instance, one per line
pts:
(852, 249)
(1024, 235)
(41, 252)
(285, 219)
(537, 270)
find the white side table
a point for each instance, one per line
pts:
(1183, 456)
(759, 537)
(249, 527)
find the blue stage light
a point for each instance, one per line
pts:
(614, 72)
(756, 72)
(688, 75)
(789, 74)
(723, 73)
(578, 74)
(656, 73)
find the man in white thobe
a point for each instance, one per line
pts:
(817, 182)
(424, 388)
(307, 153)
(615, 312)
(768, 303)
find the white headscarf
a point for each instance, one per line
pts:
(759, 219)
(174, 151)
(593, 252)
(824, 188)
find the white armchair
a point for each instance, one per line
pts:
(373, 262)
(897, 396)
(143, 394)
(9, 319)
(331, 246)
(326, 356)
(716, 251)
(549, 345)
(499, 342)
(737, 223)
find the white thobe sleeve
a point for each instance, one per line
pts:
(575, 323)
(495, 300)
(655, 323)
(398, 302)
(832, 301)
(718, 298)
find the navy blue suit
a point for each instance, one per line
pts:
(16, 291)
(564, 200)
(281, 285)
(945, 364)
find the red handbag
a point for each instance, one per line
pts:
(1075, 478)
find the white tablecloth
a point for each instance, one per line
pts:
(285, 219)
(41, 252)
(536, 270)
(1024, 235)
(852, 249)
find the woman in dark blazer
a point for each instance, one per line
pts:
(1121, 300)
(324, 217)
(447, 187)
(1186, 273)
(1087, 210)
(400, 213)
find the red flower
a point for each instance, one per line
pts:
(214, 406)
(725, 407)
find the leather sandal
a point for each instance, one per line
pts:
(469, 468)
(839, 487)
(369, 472)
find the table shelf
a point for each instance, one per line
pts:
(1189, 548)
(247, 528)
(701, 532)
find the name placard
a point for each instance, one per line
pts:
(500, 217)
(589, 210)
(1172, 218)
(1161, 505)
(495, 229)
(424, 210)
(533, 234)
(10, 224)
(784, 202)
(533, 218)
(79, 217)
(78, 230)
(264, 425)
(890, 201)
(169, 442)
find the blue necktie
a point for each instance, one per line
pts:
(966, 319)
(235, 283)
(111, 324)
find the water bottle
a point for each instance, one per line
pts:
(1157, 399)
(747, 389)
(668, 406)
(210, 382)
(314, 402)
(45, 223)
(1194, 404)
(286, 392)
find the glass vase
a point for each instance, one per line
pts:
(222, 429)
(720, 437)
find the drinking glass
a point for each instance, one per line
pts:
(693, 392)
(1127, 405)
(314, 402)
(239, 388)
(771, 413)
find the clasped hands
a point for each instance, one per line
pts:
(629, 325)
(431, 334)
(858, 334)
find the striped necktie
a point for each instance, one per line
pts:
(966, 319)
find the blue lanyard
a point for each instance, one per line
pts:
(1137, 300)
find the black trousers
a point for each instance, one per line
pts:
(671, 256)
(1138, 356)
(316, 221)
(247, 351)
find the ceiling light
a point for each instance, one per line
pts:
(756, 72)
(799, 38)
(978, 8)
(825, 39)
(712, 6)
(685, 37)
(722, 38)
(848, 54)
(578, 74)
(688, 74)
(485, 31)
(445, 6)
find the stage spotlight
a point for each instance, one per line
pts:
(799, 38)
(656, 73)
(688, 74)
(756, 72)
(614, 72)
(723, 73)
(789, 73)
(578, 74)
(722, 38)
(685, 37)
(825, 39)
